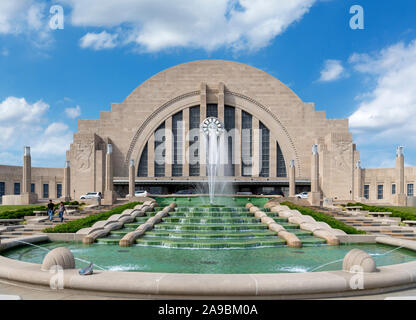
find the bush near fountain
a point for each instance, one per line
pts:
(20, 213)
(74, 226)
(319, 216)
(406, 213)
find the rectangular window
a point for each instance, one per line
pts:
(246, 144)
(59, 190)
(177, 126)
(281, 165)
(142, 170)
(32, 188)
(366, 191)
(264, 150)
(410, 191)
(194, 122)
(380, 188)
(17, 188)
(2, 189)
(393, 188)
(45, 190)
(212, 110)
(160, 151)
(229, 124)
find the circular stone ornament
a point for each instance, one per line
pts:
(212, 123)
(61, 257)
(358, 260)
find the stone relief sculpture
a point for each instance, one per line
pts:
(83, 155)
(341, 153)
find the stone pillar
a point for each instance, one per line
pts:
(202, 144)
(67, 182)
(314, 196)
(358, 188)
(27, 171)
(292, 179)
(26, 197)
(151, 156)
(256, 146)
(168, 147)
(273, 156)
(221, 102)
(132, 178)
(109, 194)
(237, 143)
(400, 198)
(185, 142)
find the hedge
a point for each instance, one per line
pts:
(21, 213)
(320, 216)
(394, 212)
(75, 225)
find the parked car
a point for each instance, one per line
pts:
(141, 193)
(302, 195)
(91, 195)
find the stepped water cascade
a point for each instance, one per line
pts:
(212, 128)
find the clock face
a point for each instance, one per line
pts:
(212, 125)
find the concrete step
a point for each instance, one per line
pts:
(19, 233)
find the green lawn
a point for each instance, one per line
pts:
(320, 216)
(405, 213)
(404, 209)
(76, 225)
(10, 208)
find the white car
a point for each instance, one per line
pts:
(302, 195)
(91, 195)
(141, 193)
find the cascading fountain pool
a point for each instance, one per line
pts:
(212, 128)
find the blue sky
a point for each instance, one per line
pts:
(50, 78)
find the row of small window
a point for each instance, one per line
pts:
(45, 190)
(380, 190)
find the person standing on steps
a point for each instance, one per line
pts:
(61, 210)
(51, 206)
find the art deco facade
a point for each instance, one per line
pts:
(271, 133)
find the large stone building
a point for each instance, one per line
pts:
(274, 140)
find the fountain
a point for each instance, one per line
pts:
(212, 128)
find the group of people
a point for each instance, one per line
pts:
(51, 210)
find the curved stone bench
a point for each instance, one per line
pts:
(291, 239)
(318, 228)
(103, 228)
(131, 237)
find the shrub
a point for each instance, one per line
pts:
(75, 225)
(394, 212)
(320, 216)
(20, 213)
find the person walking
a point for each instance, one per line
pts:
(61, 210)
(51, 206)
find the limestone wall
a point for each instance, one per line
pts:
(130, 124)
(40, 176)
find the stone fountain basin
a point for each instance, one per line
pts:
(217, 286)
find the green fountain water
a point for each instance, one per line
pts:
(229, 226)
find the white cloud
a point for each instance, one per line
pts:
(18, 110)
(99, 41)
(387, 113)
(23, 123)
(155, 25)
(333, 70)
(25, 17)
(73, 112)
